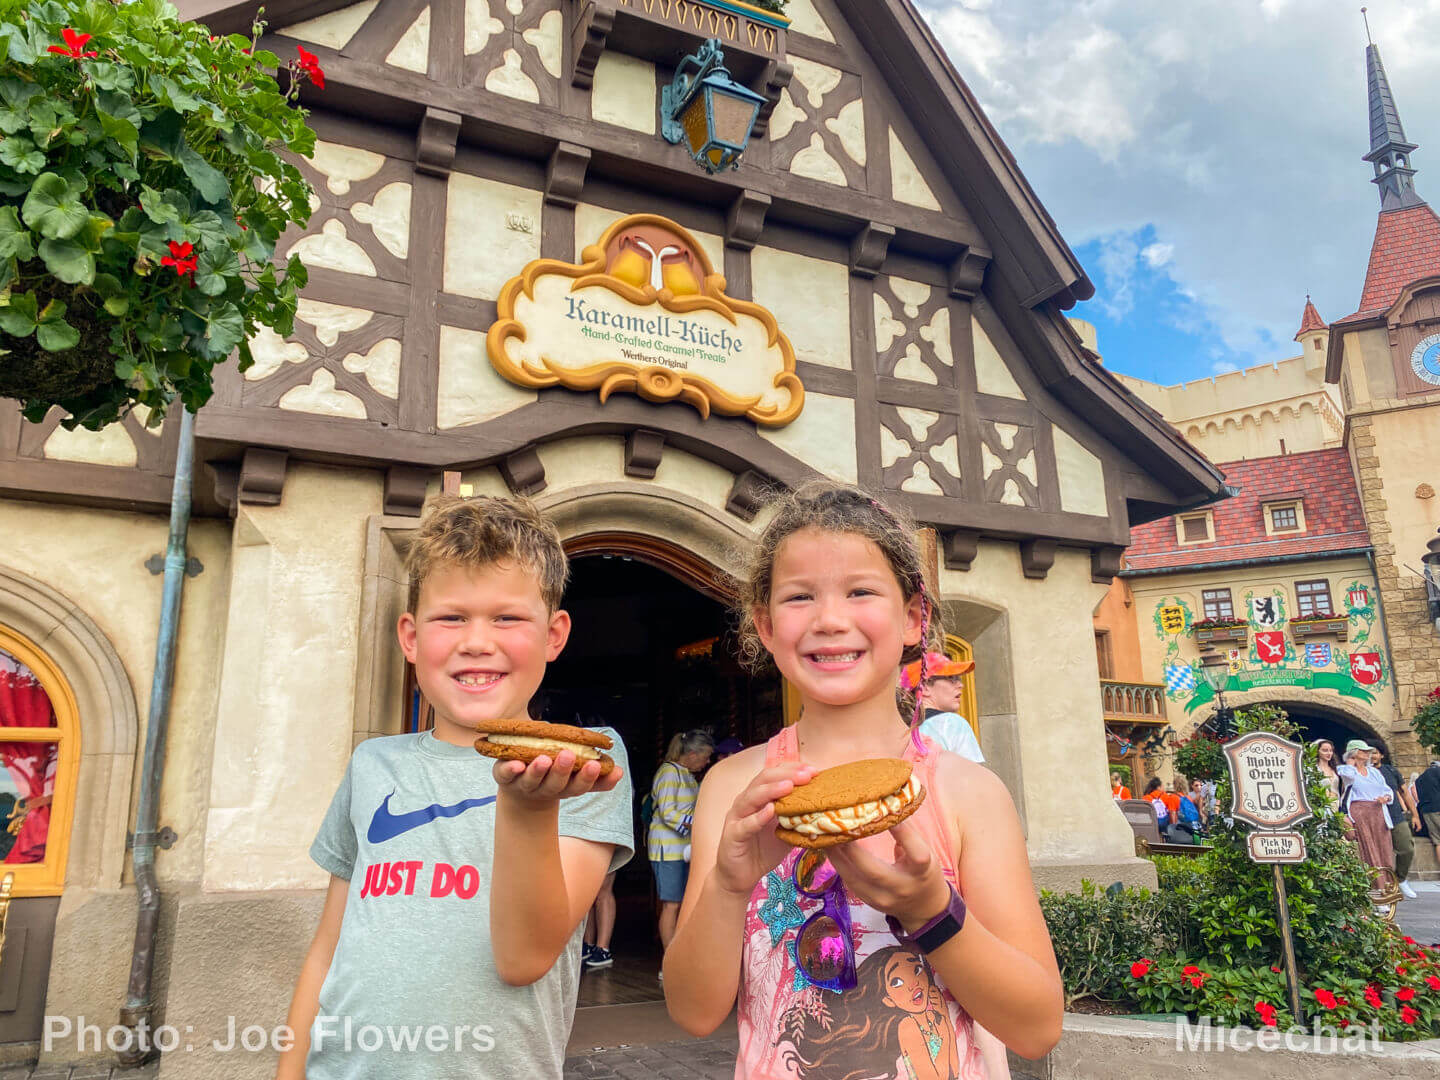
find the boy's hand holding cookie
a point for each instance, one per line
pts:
(544, 762)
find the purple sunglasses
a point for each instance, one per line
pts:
(824, 951)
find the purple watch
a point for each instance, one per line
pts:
(942, 927)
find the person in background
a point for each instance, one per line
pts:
(940, 699)
(1366, 799)
(1197, 796)
(1405, 822)
(1118, 790)
(1154, 792)
(1186, 828)
(595, 952)
(1327, 760)
(1427, 801)
(725, 747)
(668, 845)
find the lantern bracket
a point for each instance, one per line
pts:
(699, 73)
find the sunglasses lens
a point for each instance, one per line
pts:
(813, 874)
(822, 949)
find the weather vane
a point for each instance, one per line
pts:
(1366, 17)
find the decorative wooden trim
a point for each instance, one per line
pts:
(565, 173)
(405, 491)
(745, 220)
(773, 82)
(587, 41)
(1105, 562)
(960, 548)
(1239, 634)
(262, 477)
(643, 450)
(523, 472)
(677, 562)
(225, 479)
(747, 495)
(868, 248)
(435, 141)
(1037, 556)
(967, 272)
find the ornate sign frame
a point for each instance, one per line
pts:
(1266, 781)
(617, 264)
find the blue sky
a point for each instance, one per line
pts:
(1202, 159)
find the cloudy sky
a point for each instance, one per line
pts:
(1202, 158)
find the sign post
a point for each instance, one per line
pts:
(1267, 792)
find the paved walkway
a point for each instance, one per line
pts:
(1421, 918)
(688, 1059)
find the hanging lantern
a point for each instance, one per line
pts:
(708, 111)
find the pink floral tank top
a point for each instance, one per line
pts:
(898, 1023)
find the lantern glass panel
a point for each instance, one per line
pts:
(696, 124)
(734, 117)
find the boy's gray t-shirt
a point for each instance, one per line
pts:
(412, 990)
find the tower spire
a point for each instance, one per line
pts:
(1389, 149)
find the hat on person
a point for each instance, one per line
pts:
(1356, 745)
(937, 666)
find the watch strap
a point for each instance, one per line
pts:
(942, 927)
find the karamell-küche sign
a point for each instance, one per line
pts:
(645, 312)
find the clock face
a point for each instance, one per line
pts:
(1425, 359)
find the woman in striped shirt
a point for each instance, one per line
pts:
(672, 796)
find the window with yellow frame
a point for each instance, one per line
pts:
(957, 648)
(40, 755)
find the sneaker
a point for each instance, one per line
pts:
(1407, 892)
(598, 958)
(586, 951)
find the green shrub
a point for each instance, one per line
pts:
(1098, 934)
(1427, 721)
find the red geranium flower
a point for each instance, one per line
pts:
(74, 46)
(310, 65)
(1409, 1015)
(1275, 969)
(1405, 995)
(1409, 940)
(1267, 1012)
(1372, 995)
(1433, 981)
(1140, 969)
(181, 257)
(1326, 998)
(1400, 969)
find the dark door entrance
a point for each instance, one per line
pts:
(650, 655)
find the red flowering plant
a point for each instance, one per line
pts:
(146, 174)
(1222, 622)
(1427, 721)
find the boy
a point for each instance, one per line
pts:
(449, 943)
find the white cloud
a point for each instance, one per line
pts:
(1235, 128)
(1223, 367)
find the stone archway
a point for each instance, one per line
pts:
(1343, 712)
(109, 722)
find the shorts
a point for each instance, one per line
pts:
(670, 878)
(1432, 824)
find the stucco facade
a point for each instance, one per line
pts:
(460, 146)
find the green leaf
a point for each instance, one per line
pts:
(122, 131)
(17, 318)
(212, 269)
(224, 330)
(210, 182)
(20, 154)
(157, 207)
(20, 50)
(68, 261)
(207, 226)
(15, 239)
(53, 333)
(53, 207)
(160, 137)
(11, 121)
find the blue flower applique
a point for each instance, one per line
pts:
(781, 909)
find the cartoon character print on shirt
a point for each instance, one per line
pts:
(898, 1023)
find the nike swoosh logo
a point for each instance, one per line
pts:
(386, 826)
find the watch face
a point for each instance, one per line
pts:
(1425, 359)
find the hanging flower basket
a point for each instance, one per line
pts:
(142, 191)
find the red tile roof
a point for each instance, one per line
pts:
(1310, 320)
(1406, 249)
(1334, 520)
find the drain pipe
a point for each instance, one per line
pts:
(137, 1013)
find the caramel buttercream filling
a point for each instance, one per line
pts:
(850, 818)
(550, 746)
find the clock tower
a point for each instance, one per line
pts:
(1386, 359)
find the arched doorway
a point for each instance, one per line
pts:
(1320, 714)
(652, 654)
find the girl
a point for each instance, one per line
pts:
(672, 795)
(836, 596)
(1326, 760)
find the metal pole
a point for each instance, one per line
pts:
(138, 1009)
(1287, 944)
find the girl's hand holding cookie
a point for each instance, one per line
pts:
(912, 888)
(748, 847)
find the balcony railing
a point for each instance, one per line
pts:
(1133, 702)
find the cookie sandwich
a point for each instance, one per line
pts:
(526, 740)
(848, 802)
